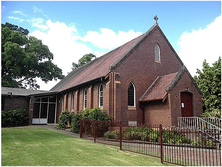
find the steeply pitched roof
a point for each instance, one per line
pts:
(162, 84)
(20, 92)
(101, 66)
(157, 90)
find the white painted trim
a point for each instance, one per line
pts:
(84, 98)
(55, 110)
(99, 94)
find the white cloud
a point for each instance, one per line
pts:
(108, 39)
(16, 18)
(20, 12)
(204, 43)
(61, 40)
(37, 10)
(67, 46)
(38, 23)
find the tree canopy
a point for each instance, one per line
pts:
(84, 60)
(25, 58)
(209, 82)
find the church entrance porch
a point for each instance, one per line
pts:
(44, 110)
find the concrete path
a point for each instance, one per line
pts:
(52, 127)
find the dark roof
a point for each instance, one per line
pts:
(101, 66)
(157, 90)
(20, 92)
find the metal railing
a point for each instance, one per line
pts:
(181, 146)
(213, 120)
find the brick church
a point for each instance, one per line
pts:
(142, 81)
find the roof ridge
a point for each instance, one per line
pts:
(136, 44)
(178, 76)
(153, 83)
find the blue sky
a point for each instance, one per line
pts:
(80, 27)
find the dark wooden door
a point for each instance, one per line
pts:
(186, 104)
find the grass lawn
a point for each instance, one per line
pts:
(33, 146)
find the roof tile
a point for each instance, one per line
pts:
(157, 90)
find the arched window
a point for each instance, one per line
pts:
(85, 99)
(131, 95)
(157, 52)
(72, 101)
(101, 95)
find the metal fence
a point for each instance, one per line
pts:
(187, 147)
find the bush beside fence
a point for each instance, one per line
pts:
(173, 145)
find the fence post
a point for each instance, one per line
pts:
(120, 136)
(95, 130)
(161, 143)
(80, 134)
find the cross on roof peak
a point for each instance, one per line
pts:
(156, 18)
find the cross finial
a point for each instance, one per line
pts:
(156, 18)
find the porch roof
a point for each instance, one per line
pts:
(20, 92)
(158, 89)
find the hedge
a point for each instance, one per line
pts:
(11, 118)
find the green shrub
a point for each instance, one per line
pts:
(65, 118)
(92, 114)
(148, 134)
(75, 123)
(17, 117)
(111, 135)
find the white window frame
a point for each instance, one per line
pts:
(101, 85)
(85, 99)
(134, 93)
(72, 102)
(157, 52)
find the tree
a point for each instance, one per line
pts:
(24, 59)
(209, 82)
(84, 60)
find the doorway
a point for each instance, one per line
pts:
(44, 110)
(186, 104)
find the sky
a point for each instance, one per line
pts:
(72, 29)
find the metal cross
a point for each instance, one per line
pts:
(156, 18)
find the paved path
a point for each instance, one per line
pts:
(52, 127)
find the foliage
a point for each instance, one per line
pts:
(84, 60)
(25, 58)
(111, 135)
(65, 118)
(75, 123)
(209, 82)
(92, 114)
(17, 117)
(148, 134)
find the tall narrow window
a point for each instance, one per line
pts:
(101, 95)
(157, 52)
(131, 95)
(62, 105)
(72, 101)
(85, 99)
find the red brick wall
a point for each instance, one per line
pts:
(184, 82)
(15, 102)
(158, 112)
(141, 69)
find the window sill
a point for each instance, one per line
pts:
(101, 107)
(157, 61)
(132, 108)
